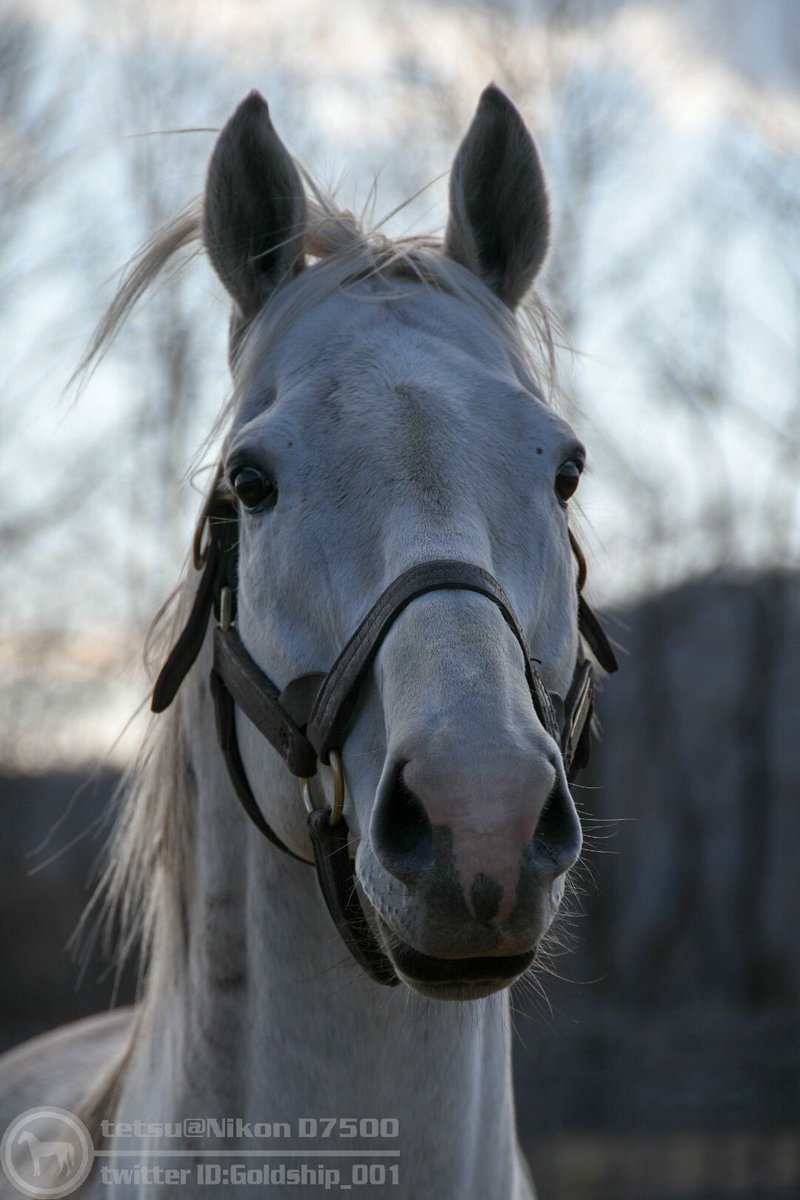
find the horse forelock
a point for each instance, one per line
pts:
(342, 251)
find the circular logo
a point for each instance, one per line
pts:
(46, 1152)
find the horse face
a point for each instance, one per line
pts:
(382, 423)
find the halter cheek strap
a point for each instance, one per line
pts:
(308, 721)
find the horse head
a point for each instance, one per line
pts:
(388, 419)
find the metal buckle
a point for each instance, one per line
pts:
(579, 558)
(337, 805)
(199, 547)
(578, 705)
(225, 609)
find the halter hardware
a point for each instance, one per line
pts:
(307, 722)
(200, 547)
(225, 609)
(336, 807)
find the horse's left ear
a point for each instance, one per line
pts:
(499, 222)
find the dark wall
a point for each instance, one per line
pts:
(44, 888)
(670, 1065)
(702, 761)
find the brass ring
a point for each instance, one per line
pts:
(337, 804)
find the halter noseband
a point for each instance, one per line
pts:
(308, 721)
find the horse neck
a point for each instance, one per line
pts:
(270, 1019)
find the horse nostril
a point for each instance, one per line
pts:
(558, 832)
(400, 832)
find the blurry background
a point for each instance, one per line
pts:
(666, 1064)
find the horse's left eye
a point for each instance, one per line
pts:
(252, 487)
(567, 480)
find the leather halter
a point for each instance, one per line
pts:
(308, 721)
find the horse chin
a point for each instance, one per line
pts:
(462, 978)
(461, 992)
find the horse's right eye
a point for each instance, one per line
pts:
(253, 487)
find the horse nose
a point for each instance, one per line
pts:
(497, 826)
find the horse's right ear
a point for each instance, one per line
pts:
(255, 209)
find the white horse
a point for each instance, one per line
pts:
(62, 1152)
(392, 461)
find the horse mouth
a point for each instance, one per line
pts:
(454, 978)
